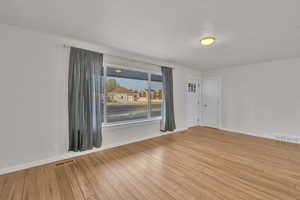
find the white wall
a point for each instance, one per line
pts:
(33, 103)
(262, 99)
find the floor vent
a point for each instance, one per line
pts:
(288, 139)
(66, 162)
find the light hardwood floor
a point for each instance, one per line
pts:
(200, 164)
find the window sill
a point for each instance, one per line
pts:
(131, 123)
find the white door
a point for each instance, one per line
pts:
(193, 94)
(211, 102)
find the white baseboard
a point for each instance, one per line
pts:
(282, 138)
(74, 154)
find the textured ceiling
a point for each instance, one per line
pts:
(246, 31)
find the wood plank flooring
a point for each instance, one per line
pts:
(198, 164)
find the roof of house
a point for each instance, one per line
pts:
(121, 90)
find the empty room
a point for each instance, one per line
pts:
(149, 100)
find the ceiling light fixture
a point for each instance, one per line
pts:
(118, 70)
(206, 41)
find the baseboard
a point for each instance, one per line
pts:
(282, 138)
(74, 154)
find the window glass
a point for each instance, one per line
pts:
(126, 95)
(156, 95)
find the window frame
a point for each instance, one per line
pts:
(128, 122)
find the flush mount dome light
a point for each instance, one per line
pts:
(207, 41)
(118, 70)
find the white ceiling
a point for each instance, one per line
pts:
(247, 31)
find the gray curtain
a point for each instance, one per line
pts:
(85, 99)
(168, 120)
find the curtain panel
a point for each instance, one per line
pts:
(85, 99)
(168, 119)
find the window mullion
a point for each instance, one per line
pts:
(149, 96)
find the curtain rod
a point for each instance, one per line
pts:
(130, 59)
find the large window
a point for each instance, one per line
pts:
(131, 95)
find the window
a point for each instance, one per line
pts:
(156, 95)
(131, 95)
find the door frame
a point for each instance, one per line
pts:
(219, 91)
